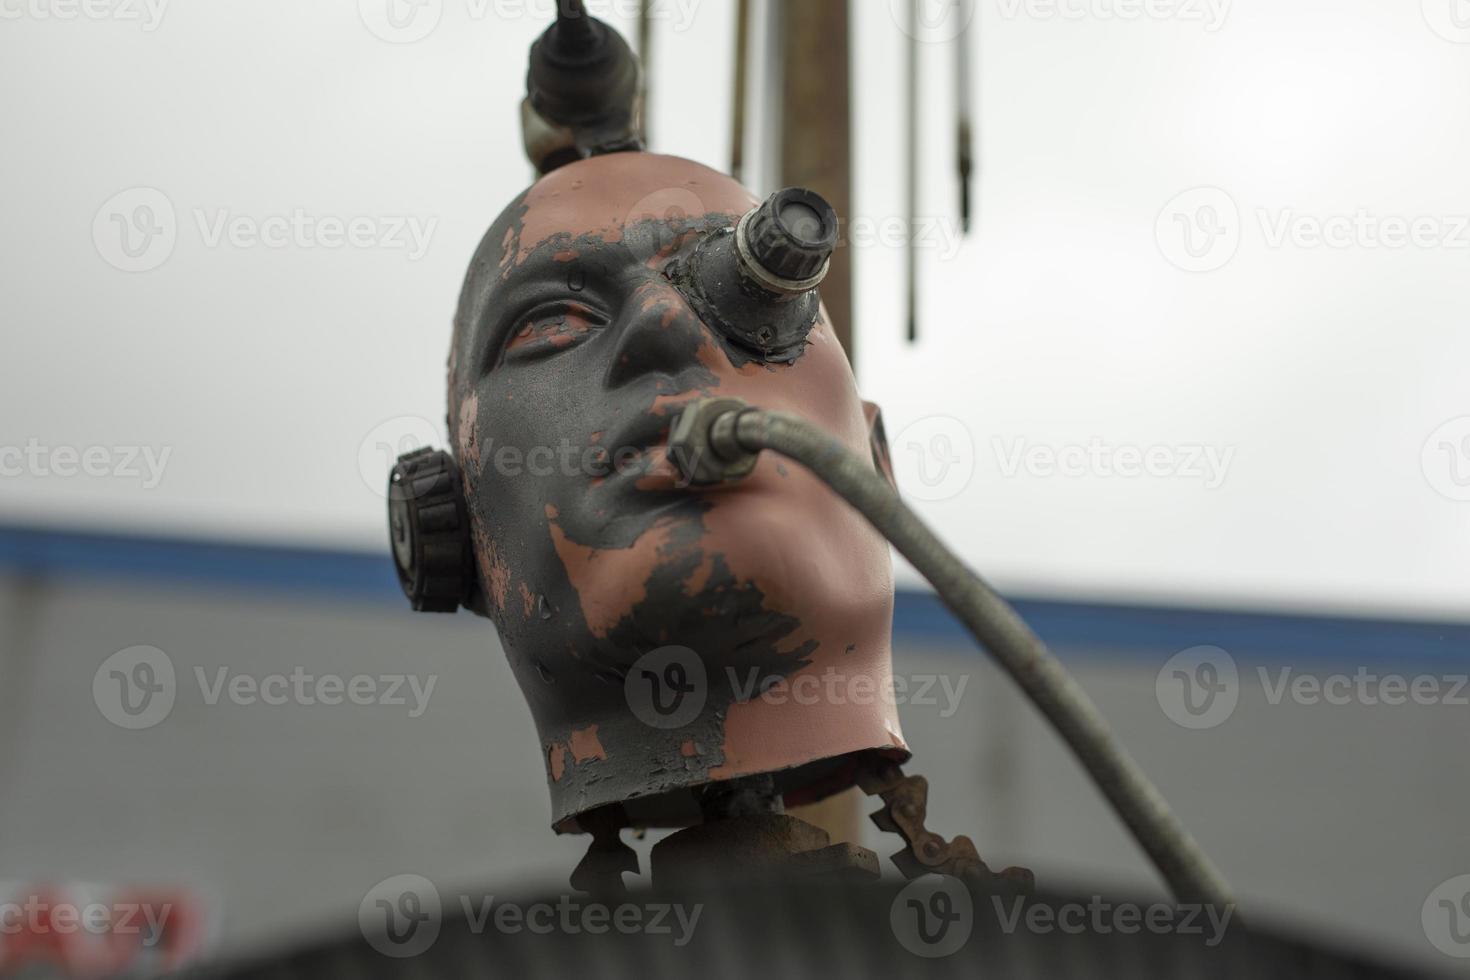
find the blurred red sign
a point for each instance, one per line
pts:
(97, 931)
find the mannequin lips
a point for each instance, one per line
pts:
(632, 470)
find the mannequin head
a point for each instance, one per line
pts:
(574, 351)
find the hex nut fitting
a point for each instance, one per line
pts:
(704, 456)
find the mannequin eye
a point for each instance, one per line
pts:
(551, 328)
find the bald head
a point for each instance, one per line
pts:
(576, 347)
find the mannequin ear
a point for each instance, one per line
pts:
(878, 443)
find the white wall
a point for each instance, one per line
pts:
(271, 374)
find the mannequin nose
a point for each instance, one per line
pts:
(757, 283)
(660, 336)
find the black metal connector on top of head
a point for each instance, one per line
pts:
(757, 283)
(582, 91)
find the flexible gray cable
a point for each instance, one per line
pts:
(1184, 866)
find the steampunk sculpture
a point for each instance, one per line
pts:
(579, 330)
(652, 573)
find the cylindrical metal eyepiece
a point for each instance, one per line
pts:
(786, 244)
(757, 284)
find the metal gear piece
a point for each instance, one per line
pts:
(600, 872)
(905, 808)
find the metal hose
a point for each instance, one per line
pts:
(735, 434)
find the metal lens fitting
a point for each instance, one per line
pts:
(757, 283)
(786, 244)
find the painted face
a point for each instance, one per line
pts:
(574, 352)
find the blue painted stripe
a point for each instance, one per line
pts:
(919, 617)
(305, 571)
(1301, 639)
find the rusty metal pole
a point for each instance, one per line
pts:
(816, 128)
(739, 83)
(816, 152)
(645, 56)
